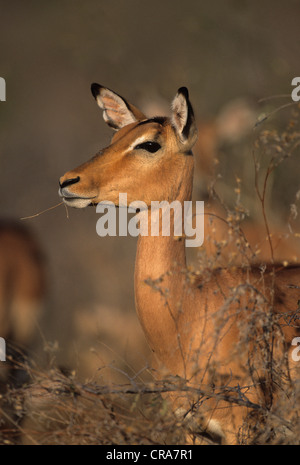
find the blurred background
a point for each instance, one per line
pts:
(229, 54)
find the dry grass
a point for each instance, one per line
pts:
(55, 408)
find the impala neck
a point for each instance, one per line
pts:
(160, 281)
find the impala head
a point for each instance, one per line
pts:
(147, 158)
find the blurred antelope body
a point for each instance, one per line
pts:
(22, 287)
(193, 324)
(234, 122)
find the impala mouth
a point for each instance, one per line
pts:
(74, 200)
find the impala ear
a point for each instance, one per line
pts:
(183, 119)
(117, 113)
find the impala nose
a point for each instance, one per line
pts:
(68, 182)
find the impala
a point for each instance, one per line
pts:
(205, 328)
(22, 289)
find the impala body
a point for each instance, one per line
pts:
(22, 290)
(195, 325)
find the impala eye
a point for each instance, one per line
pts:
(150, 146)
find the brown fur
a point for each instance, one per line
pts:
(195, 326)
(22, 289)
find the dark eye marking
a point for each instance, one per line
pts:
(150, 146)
